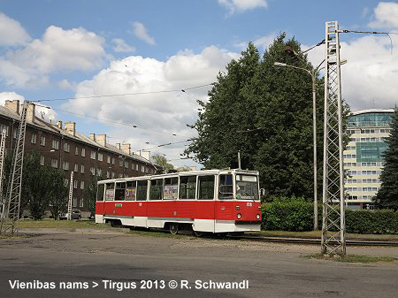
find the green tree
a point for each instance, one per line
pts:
(162, 162)
(58, 193)
(387, 195)
(266, 113)
(41, 185)
(90, 194)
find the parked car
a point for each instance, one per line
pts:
(76, 214)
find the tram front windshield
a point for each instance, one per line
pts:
(246, 187)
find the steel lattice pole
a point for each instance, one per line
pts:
(333, 224)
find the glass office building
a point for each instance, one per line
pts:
(363, 157)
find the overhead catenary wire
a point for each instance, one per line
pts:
(124, 94)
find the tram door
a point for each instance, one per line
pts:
(100, 205)
(205, 210)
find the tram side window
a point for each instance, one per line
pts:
(130, 191)
(120, 191)
(109, 191)
(100, 192)
(156, 190)
(206, 188)
(187, 187)
(170, 188)
(225, 190)
(142, 187)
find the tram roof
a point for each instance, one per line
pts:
(187, 173)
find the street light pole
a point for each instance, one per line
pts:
(313, 74)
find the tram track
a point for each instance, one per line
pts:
(312, 241)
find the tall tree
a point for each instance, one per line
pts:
(387, 195)
(162, 162)
(90, 194)
(41, 185)
(266, 113)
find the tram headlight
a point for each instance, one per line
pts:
(258, 216)
(239, 216)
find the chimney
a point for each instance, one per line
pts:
(59, 124)
(92, 136)
(30, 116)
(13, 105)
(101, 139)
(70, 128)
(118, 146)
(145, 154)
(126, 148)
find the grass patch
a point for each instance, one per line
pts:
(351, 258)
(60, 224)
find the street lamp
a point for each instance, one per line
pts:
(313, 74)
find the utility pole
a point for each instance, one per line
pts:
(12, 206)
(2, 150)
(70, 196)
(333, 223)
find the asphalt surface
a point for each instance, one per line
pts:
(131, 265)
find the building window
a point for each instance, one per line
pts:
(92, 154)
(81, 203)
(74, 202)
(92, 171)
(15, 133)
(42, 160)
(4, 127)
(66, 147)
(126, 164)
(136, 167)
(100, 157)
(76, 151)
(99, 172)
(108, 159)
(55, 144)
(83, 152)
(113, 160)
(54, 163)
(82, 169)
(66, 181)
(43, 141)
(81, 184)
(75, 182)
(65, 165)
(143, 169)
(120, 162)
(108, 174)
(76, 168)
(33, 139)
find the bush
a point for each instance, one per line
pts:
(297, 214)
(288, 214)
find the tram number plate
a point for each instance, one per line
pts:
(249, 204)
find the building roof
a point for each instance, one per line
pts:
(372, 111)
(53, 128)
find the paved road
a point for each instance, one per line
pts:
(116, 259)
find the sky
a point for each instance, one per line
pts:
(134, 69)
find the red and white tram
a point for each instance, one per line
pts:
(211, 201)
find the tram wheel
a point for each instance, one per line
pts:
(173, 228)
(198, 234)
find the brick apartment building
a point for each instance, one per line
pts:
(61, 146)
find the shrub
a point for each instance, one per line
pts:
(297, 214)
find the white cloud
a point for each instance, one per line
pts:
(141, 32)
(11, 32)
(121, 46)
(369, 79)
(238, 6)
(386, 16)
(157, 115)
(58, 50)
